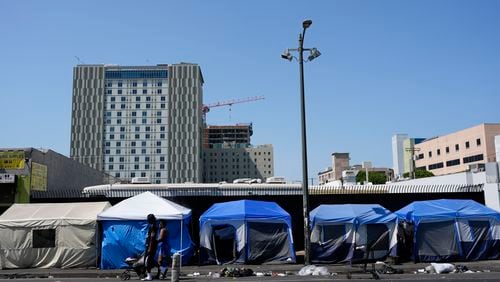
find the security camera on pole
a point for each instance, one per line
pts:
(314, 53)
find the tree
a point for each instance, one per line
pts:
(420, 173)
(375, 177)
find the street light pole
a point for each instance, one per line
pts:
(314, 53)
(305, 188)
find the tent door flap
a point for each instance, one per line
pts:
(224, 243)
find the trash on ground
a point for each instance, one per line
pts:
(443, 267)
(236, 272)
(314, 270)
(430, 269)
(387, 269)
(195, 274)
(214, 275)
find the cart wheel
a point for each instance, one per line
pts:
(125, 275)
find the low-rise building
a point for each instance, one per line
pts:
(460, 151)
(27, 170)
(340, 162)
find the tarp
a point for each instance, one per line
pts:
(261, 232)
(472, 230)
(352, 233)
(125, 229)
(61, 235)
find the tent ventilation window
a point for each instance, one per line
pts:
(44, 238)
(333, 232)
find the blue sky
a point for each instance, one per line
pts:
(425, 68)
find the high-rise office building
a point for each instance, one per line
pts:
(139, 121)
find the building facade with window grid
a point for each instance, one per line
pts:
(139, 121)
(458, 151)
(230, 163)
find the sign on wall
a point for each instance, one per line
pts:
(7, 178)
(38, 177)
(12, 160)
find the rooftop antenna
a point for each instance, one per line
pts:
(79, 61)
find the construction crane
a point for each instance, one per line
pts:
(79, 61)
(206, 108)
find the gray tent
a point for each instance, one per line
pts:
(59, 235)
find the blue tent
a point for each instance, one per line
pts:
(452, 230)
(125, 229)
(352, 233)
(246, 231)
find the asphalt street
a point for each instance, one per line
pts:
(483, 271)
(467, 277)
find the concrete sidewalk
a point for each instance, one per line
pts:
(195, 271)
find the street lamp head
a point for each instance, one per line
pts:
(287, 56)
(314, 54)
(306, 24)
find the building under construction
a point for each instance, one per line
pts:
(232, 136)
(228, 155)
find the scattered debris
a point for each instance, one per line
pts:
(314, 270)
(469, 271)
(214, 275)
(235, 272)
(441, 268)
(387, 269)
(429, 269)
(462, 269)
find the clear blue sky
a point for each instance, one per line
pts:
(424, 68)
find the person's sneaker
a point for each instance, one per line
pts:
(148, 277)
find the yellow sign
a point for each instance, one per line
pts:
(12, 160)
(38, 177)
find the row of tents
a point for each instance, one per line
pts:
(252, 232)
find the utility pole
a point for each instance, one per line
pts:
(314, 53)
(312, 180)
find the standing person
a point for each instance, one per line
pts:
(151, 246)
(164, 246)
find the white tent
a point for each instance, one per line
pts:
(138, 207)
(59, 235)
(124, 228)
